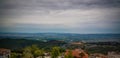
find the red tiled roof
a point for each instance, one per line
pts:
(76, 53)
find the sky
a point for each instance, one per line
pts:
(60, 16)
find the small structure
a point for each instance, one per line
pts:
(113, 55)
(47, 55)
(4, 53)
(78, 53)
(97, 55)
(76, 43)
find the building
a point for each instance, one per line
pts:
(97, 55)
(78, 53)
(76, 43)
(113, 55)
(4, 53)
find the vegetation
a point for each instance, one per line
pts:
(29, 52)
(27, 55)
(55, 52)
(19, 44)
(32, 51)
(15, 55)
(39, 53)
(23, 48)
(69, 55)
(102, 47)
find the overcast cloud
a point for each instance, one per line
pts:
(68, 16)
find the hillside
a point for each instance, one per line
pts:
(21, 43)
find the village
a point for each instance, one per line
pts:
(57, 52)
(76, 53)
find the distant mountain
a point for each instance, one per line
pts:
(62, 36)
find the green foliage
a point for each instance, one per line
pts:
(55, 52)
(62, 50)
(32, 51)
(34, 48)
(69, 55)
(13, 55)
(19, 44)
(38, 53)
(27, 49)
(102, 49)
(27, 55)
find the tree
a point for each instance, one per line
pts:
(39, 53)
(55, 52)
(29, 52)
(34, 48)
(13, 55)
(69, 55)
(27, 55)
(27, 49)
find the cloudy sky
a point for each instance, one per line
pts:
(60, 16)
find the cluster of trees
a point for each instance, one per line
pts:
(57, 51)
(29, 52)
(69, 55)
(102, 47)
(34, 51)
(18, 44)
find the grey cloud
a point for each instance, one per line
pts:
(57, 4)
(42, 5)
(14, 7)
(18, 8)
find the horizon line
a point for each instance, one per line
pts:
(56, 33)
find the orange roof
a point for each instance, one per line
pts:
(76, 53)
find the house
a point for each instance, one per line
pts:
(4, 53)
(78, 53)
(113, 55)
(97, 55)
